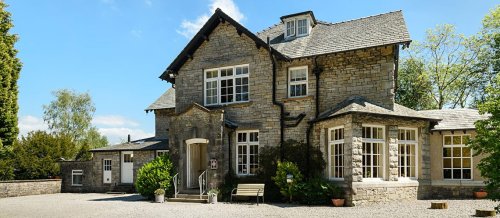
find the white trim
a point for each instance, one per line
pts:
(290, 83)
(127, 168)
(415, 143)
(190, 142)
(382, 162)
(295, 20)
(461, 146)
(76, 173)
(307, 26)
(335, 142)
(219, 78)
(247, 143)
(197, 141)
(107, 173)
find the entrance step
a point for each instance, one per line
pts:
(191, 196)
(195, 191)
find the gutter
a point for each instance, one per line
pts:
(279, 104)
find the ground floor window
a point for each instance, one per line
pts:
(373, 138)
(457, 157)
(76, 177)
(407, 153)
(336, 152)
(247, 152)
(161, 152)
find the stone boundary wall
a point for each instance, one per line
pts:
(14, 188)
(367, 194)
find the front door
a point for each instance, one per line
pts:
(127, 167)
(197, 163)
(106, 171)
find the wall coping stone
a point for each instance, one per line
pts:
(457, 183)
(32, 180)
(385, 184)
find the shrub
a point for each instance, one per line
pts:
(287, 189)
(154, 175)
(317, 191)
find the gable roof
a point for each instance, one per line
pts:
(202, 35)
(326, 38)
(358, 104)
(455, 119)
(141, 144)
(165, 101)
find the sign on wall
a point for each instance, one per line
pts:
(213, 164)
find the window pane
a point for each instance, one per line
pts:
(302, 27)
(457, 140)
(447, 174)
(466, 174)
(457, 163)
(226, 90)
(298, 75)
(457, 174)
(466, 163)
(446, 152)
(466, 152)
(447, 163)
(211, 74)
(447, 140)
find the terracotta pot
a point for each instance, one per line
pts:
(480, 195)
(338, 202)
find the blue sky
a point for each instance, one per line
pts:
(116, 49)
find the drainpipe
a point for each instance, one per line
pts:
(279, 104)
(317, 71)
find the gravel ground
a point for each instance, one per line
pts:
(105, 205)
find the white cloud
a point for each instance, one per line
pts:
(30, 123)
(119, 134)
(113, 121)
(190, 28)
(148, 3)
(136, 33)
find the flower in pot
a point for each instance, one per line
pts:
(481, 194)
(338, 197)
(160, 195)
(212, 195)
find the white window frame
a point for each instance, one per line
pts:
(290, 83)
(292, 29)
(382, 152)
(161, 151)
(462, 145)
(76, 173)
(295, 28)
(247, 144)
(409, 142)
(307, 26)
(219, 78)
(330, 161)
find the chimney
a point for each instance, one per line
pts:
(128, 138)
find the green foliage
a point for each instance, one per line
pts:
(159, 191)
(486, 141)
(414, 85)
(6, 169)
(10, 66)
(35, 156)
(154, 175)
(294, 152)
(288, 189)
(318, 191)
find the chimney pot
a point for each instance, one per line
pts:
(128, 138)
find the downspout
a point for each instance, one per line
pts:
(279, 104)
(317, 71)
(396, 67)
(229, 133)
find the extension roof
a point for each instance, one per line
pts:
(165, 101)
(455, 119)
(137, 145)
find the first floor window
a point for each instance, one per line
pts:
(336, 152)
(161, 152)
(372, 150)
(247, 156)
(297, 82)
(302, 27)
(407, 145)
(76, 177)
(457, 157)
(226, 85)
(290, 28)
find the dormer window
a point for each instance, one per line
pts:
(302, 27)
(290, 28)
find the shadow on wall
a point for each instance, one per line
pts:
(128, 198)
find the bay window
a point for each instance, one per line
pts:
(336, 153)
(373, 138)
(407, 153)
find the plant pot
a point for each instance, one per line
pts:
(480, 195)
(212, 199)
(159, 198)
(338, 202)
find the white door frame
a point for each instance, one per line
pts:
(189, 143)
(106, 174)
(127, 178)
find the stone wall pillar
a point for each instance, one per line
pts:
(357, 152)
(393, 153)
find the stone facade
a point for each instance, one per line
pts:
(17, 188)
(161, 122)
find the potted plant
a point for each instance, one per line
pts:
(160, 195)
(481, 194)
(338, 197)
(212, 195)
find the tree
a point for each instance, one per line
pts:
(10, 66)
(36, 155)
(71, 114)
(447, 62)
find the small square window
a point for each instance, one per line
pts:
(77, 177)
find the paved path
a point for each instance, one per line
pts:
(104, 205)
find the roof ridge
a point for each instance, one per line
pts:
(356, 19)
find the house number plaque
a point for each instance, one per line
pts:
(213, 164)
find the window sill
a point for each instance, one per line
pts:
(309, 97)
(76, 185)
(382, 183)
(238, 104)
(456, 182)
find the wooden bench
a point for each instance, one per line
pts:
(249, 190)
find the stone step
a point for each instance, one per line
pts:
(187, 200)
(191, 196)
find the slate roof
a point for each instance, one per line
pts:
(357, 104)
(165, 101)
(137, 145)
(455, 119)
(326, 38)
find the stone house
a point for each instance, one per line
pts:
(330, 85)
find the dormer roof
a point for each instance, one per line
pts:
(310, 13)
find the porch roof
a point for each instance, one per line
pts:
(455, 119)
(137, 145)
(358, 104)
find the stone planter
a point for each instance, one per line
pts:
(480, 195)
(212, 199)
(338, 202)
(159, 198)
